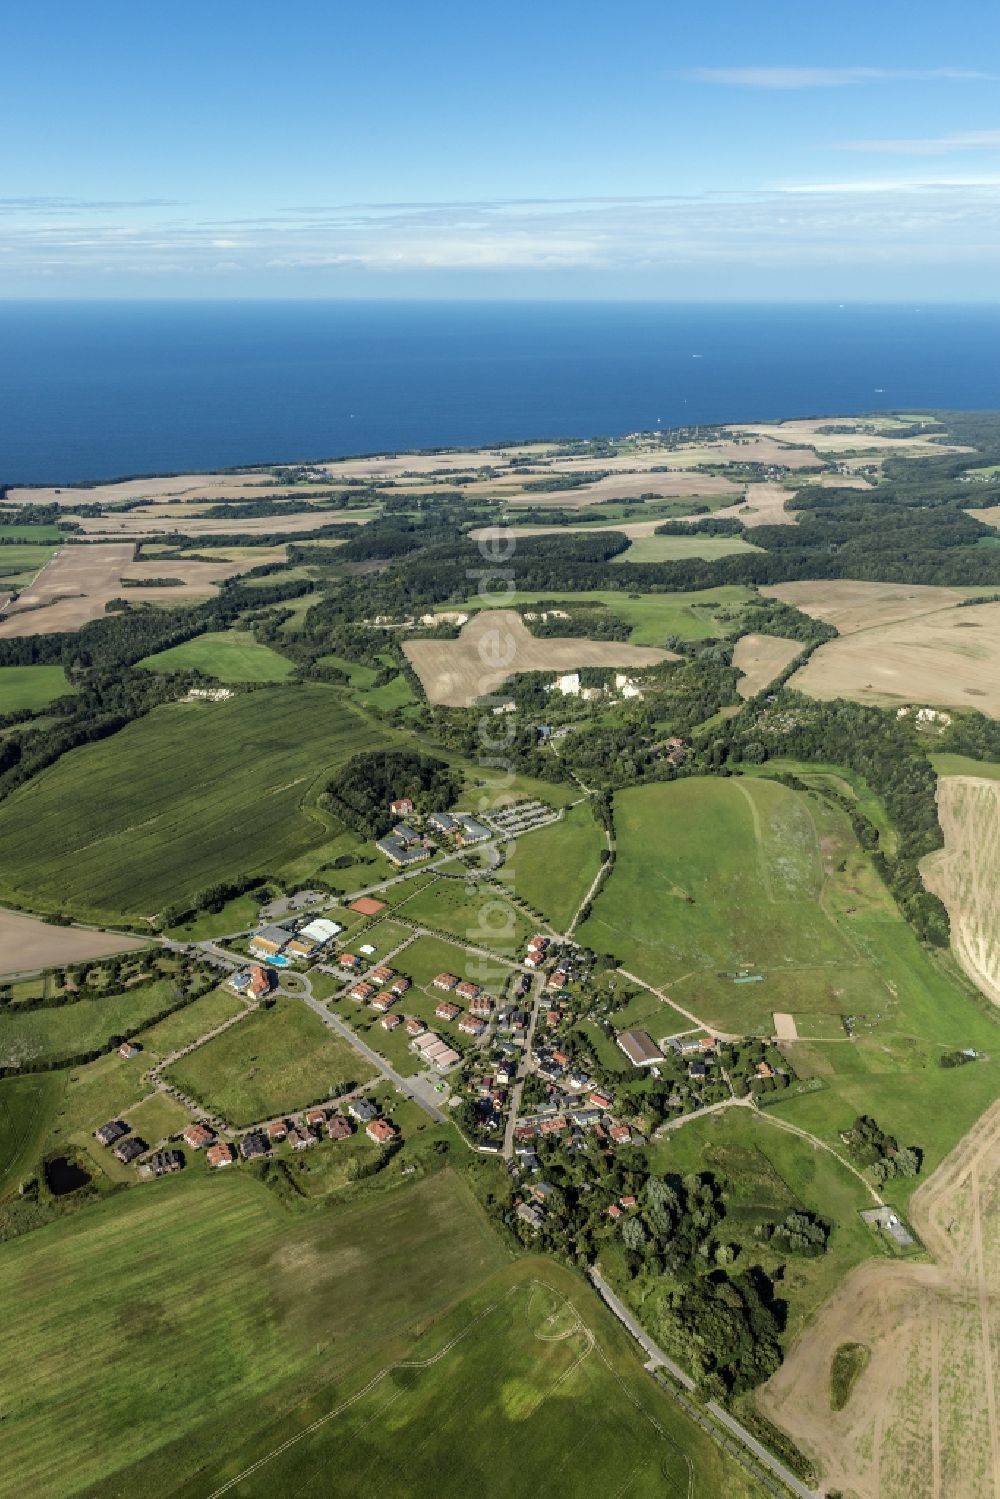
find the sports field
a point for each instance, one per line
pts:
(275, 1061)
(205, 1308)
(554, 867)
(524, 1389)
(30, 686)
(230, 655)
(188, 795)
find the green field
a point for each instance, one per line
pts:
(185, 796)
(195, 1020)
(229, 655)
(26, 1104)
(85, 1025)
(481, 915)
(554, 867)
(30, 532)
(552, 1402)
(19, 565)
(201, 1295)
(680, 548)
(653, 616)
(30, 687)
(961, 765)
(276, 1061)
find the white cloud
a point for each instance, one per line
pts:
(939, 145)
(782, 77)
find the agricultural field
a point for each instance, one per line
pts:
(27, 943)
(181, 798)
(965, 874)
(229, 655)
(680, 548)
(554, 867)
(43, 1035)
(653, 616)
(167, 1353)
(278, 1060)
(574, 1412)
(20, 564)
(921, 1420)
(761, 658)
(480, 915)
(851, 606)
(761, 505)
(950, 659)
(26, 1105)
(457, 672)
(31, 687)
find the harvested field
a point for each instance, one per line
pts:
(27, 944)
(257, 525)
(921, 1422)
(761, 658)
(810, 430)
(762, 505)
(495, 645)
(625, 486)
(950, 659)
(965, 874)
(989, 517)
(850, 606)
(71, 590)
(632, 529)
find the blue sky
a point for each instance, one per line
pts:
(233, 148)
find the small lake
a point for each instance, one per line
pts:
(63, 1175)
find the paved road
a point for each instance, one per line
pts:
(406, 1086)
(657, 1359)
(522, 1069)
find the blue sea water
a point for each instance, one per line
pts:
(95, 390)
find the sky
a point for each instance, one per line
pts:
(646, 150)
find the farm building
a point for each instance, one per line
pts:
(640, 1048)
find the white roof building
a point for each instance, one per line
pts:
(321, 930)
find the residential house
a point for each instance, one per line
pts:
(482, 1005)
(614, 1211)
(220, 1155)
(315, 1118)
(441, 822)
(471, 1025)
(338, 1128)
(254, 1145)
(381, 1131)
(401, 807)
(391, 1022)
(600, 1100)
(362, 991)
(128, 1050)
(259, 981)
(405, 834)
(542, 1192)
(446, 981)
(532, 1216)
(361, 1110)
(469, 831)
(300, 947)
(399, 985)
(383, 1002)
(301, 1139)
(382, 973)
(415, 1027)
(468, 990)
(197, 1136)
(557, 1125)
(277, 1131)
(620, 1134)
(350, 960)
(558, 980)
(110, 1132)
(445, 1010)
(127, 1150)
(161, 1163)
(697, 1070)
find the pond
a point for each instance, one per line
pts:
(63, 1175)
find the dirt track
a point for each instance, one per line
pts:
(496, 644)
(922, 1420)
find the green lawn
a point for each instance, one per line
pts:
(553, 1402)
(200, 1294)
(481, 915)
(230, 655)
(236, 916)
(194, 1020)
(680, 548)
(554, 867)
(185, 796)
(30, 687)
(653, 616)
(276, 1061)
(85, 1025)
(19, 565)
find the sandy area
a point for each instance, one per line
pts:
(27, 943)
(950, 659)
(965, 874)
(761, 658)
(850, 606)
(784, 1027)
(496, 644)
(922, 1420)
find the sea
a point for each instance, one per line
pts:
(96, 390)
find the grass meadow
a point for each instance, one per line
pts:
(681, 548)
(554, 867)
(277, 1060)
(30, 687)
(84, 1025)
(19, 564)
(481, 916)
(526, 1387)
(653, 616)
(189, 794)
(204, 1308)
(230, 655)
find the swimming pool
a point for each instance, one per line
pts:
(278, 962)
